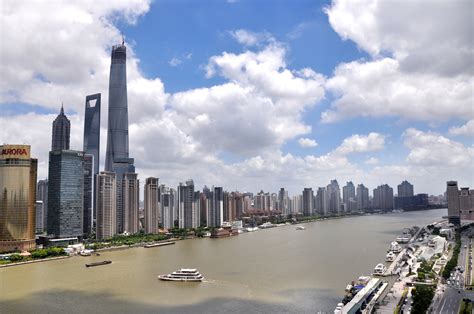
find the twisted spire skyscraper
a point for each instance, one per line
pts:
(116, 158)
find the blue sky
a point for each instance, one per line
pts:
(233, 93)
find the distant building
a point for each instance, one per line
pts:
(283, 201)
(405, 189)
(334, 197)
(39, 212)
(65, 194)
(308, 202)
(383, 197)
(166, 207)
(321, 203)
(419, 201)
(61, 132)
(131, 193)
(42, 196)
(106, 199)
(349, 197)
(297, 204)
(466, 204)
(152, 205)
(454, 208)
(18, 173)
(362, 197)
(88, 193)
(216, 208)
(187, 216)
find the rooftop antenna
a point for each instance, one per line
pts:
(62, 107)
(123, 39)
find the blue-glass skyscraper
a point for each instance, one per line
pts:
(116, 158)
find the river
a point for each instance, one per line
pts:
(268, 271)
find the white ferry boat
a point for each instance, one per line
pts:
(390, 257)
(300, 228)
(184, 274)
(395, 247)
(379, 270)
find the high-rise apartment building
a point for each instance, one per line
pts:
(405, 189)
(131, 192)
(152, 205)
(349, 197)
(65, 194)
(362, 197)
(216, 208)
(308, 202)
(117, 156)
(105, 200)
(166, 207)
(334, 197)
(283, 202)
(18, 173)
(42, 196)
(321, 201)
(187, 215)
(61, 132)
(383, 197)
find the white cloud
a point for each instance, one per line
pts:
(431, 149)
(420, 70)
(466, 129)
(307, 142)
(249, 38)
(361, 143)
(174, 62)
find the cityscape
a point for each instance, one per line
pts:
(410, 244)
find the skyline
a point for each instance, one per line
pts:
(269, 140)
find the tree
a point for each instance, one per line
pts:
(422, 297)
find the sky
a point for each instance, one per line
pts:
(254, 95)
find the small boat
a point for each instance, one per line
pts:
(98, 263)
(184, 274)
(300, 228)
(379, 270)
(158, 244)
(395, 247)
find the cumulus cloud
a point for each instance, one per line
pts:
(307, 142)
(420, 70)
(433, 149)
(371, 161)
(361, 143)
(174, 62)
(466, 129)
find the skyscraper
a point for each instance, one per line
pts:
(152, 205)
(17, 203)
(349, 197)
(117, 158)
(283, 202)
(166, 207)
(405, 189)
(321, 204)
(383, 197)
(362, 201)
(308, 202)
(187, 216)
(334, 197)
(216, 210)
(131, 192)
(105, 199)
(61, 131)
(454, 207)
(65, 193)
(92, 129)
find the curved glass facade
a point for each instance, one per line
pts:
(17, 203)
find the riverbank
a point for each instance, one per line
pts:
(35, 261)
